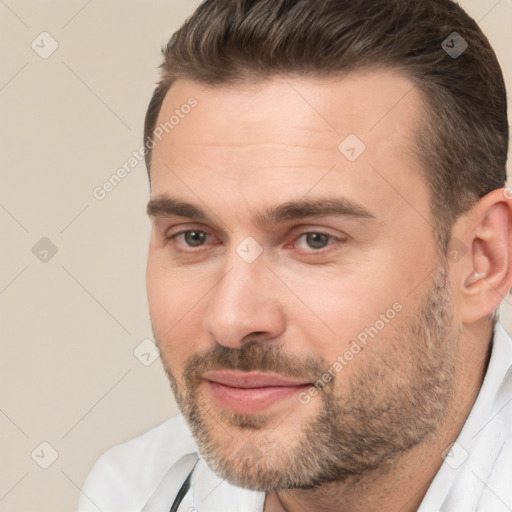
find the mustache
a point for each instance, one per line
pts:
(264, 357)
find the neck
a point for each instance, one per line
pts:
(401, 483)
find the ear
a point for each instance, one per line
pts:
(485, 276)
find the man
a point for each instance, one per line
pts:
(331, 239)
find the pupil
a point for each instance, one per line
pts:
(194, 238)
(317, 240)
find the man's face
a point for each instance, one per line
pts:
(306, 259)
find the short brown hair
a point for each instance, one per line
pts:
(463, 141)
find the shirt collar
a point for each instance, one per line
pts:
(481, 437)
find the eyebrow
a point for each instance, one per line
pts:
(164, 206)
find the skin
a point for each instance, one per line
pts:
(250, 147)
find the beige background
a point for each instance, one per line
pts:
(70, 325)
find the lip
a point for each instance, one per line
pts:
(246, 380)
(250, 392)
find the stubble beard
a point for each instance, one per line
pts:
(391, 405)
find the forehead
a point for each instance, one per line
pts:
(363, 101)
(275, 139)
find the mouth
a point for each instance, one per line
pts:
(251, 392)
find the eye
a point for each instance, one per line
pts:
(316, 240)
(192, 237)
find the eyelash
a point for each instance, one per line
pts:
(332, 238)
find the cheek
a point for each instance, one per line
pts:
(340, 311)
(172, 294)
(360, 323)
(176, 311)
(163, 298)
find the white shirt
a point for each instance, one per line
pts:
(476, 474)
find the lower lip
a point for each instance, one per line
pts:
(251, 400)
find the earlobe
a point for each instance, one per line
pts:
(490, 236)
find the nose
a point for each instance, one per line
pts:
(245, 305)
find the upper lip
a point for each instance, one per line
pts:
(237, 379)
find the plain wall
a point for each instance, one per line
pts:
(71, 321)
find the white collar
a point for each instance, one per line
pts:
(481, 439)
